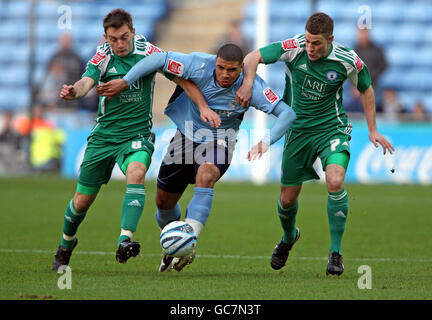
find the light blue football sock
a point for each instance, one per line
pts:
(163, 217)
(200, 205)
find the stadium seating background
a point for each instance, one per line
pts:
(403, 28)
(86, 31)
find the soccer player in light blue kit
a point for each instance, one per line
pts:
(201, 152)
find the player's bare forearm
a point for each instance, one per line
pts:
(368, 100)
(196, 96)
(112, 88)
(257, 151)
(251, 62)
(78, 90)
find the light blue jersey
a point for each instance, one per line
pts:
(200, 68)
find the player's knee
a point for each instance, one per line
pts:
(289, 195)
(164, 202)
(287, 200)
(82, 202)
(207, 175)
(136, 172)
(334, 183)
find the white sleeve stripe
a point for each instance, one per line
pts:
(345, 54)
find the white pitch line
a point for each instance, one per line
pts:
(214, 256)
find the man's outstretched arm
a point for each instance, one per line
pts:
(251, 62)
(196, 96)
(146, 66)
(368, 100)
(285, 117)
(78, 90)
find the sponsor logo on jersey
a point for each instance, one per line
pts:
(313, 88)
(97, 58)
(175, 67)
(270, 95)
(303, 67)
(331, 75)
(290, 44)
(358, 63)
(112, 70)
(152, 49)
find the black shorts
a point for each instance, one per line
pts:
(183, 158)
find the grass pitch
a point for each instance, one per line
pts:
(388, 229)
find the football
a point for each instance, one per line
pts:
(178, 239)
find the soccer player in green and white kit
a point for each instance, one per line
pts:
(122, 133)
(316, 68)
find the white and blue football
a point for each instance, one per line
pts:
(178, 239)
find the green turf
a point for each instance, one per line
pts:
(388, 229)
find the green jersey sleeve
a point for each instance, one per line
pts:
(271, 53)
(285, 50)
(364, 79)
(360, 77)
(98, 63)
(92, 72)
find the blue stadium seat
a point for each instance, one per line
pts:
(390, 77)
(399, 55)
(84, 11)
(410, 33)
(17, 74)
(340, 10)
(13, 31)
(14, 97)
(345, 34)
(415, 12)
(281, 11)
(421, 79)
(423, 56)
(17, 9)
(281, 31)
(48, 9)
(386, 11)
(47, 30)
(383, 34)
(152, 11)
(427, 101)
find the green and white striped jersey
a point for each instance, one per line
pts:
(130, 113)
(314, 88)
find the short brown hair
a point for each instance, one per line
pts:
(320, 23)
(117, 18)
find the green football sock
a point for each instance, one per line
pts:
(132, 208)
(337, 211)
(122, 238)
(68, 244)
(287, 218)
(72, 219)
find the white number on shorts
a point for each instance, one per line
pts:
(334, 143)
(136, 144)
